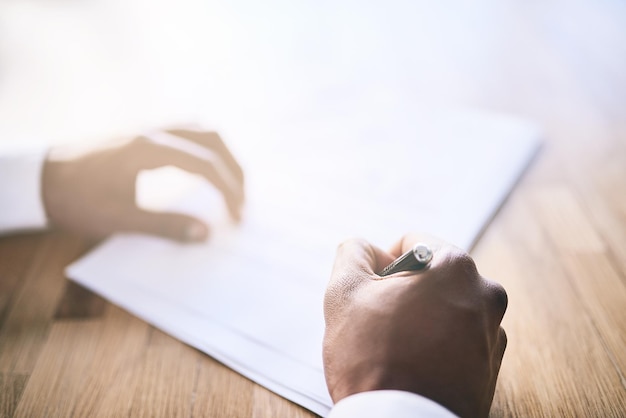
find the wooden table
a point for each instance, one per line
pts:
(558, 245)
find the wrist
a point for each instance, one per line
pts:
(389, 403)
(54, 189)
(427, 381)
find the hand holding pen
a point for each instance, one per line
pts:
(434, 331)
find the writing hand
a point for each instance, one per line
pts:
(435, 332)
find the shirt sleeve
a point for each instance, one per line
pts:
(388, 403)
(21, 204)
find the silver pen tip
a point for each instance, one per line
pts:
(422, 253)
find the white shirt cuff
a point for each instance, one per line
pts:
(21, 203)
(388, 403)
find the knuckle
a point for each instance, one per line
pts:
(501, 297)
(498, 296)
(213, 139)
(503, 339)
(141, 140)
(142, 145)
(462, 263)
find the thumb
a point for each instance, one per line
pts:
(356, 262)
(174, 226)
(358, 255)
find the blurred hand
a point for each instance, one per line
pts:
(435, 333)
(94, 195)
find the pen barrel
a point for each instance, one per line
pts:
(406, 262)
(415, 259)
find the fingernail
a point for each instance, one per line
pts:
(195, 232)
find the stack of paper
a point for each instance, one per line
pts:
(252, 296)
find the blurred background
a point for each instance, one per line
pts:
(306, 86)
(85, 70)
(302, 87)
(280, 78)
(80, 70)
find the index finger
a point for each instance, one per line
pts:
(212, 141)
(155, 155)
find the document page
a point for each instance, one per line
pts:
(251, 296)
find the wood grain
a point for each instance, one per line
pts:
(553, 342)
(33, 304)
(558, 245)
(11, 387)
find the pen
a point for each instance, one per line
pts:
(416, 258)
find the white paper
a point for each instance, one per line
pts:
(252, 296)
